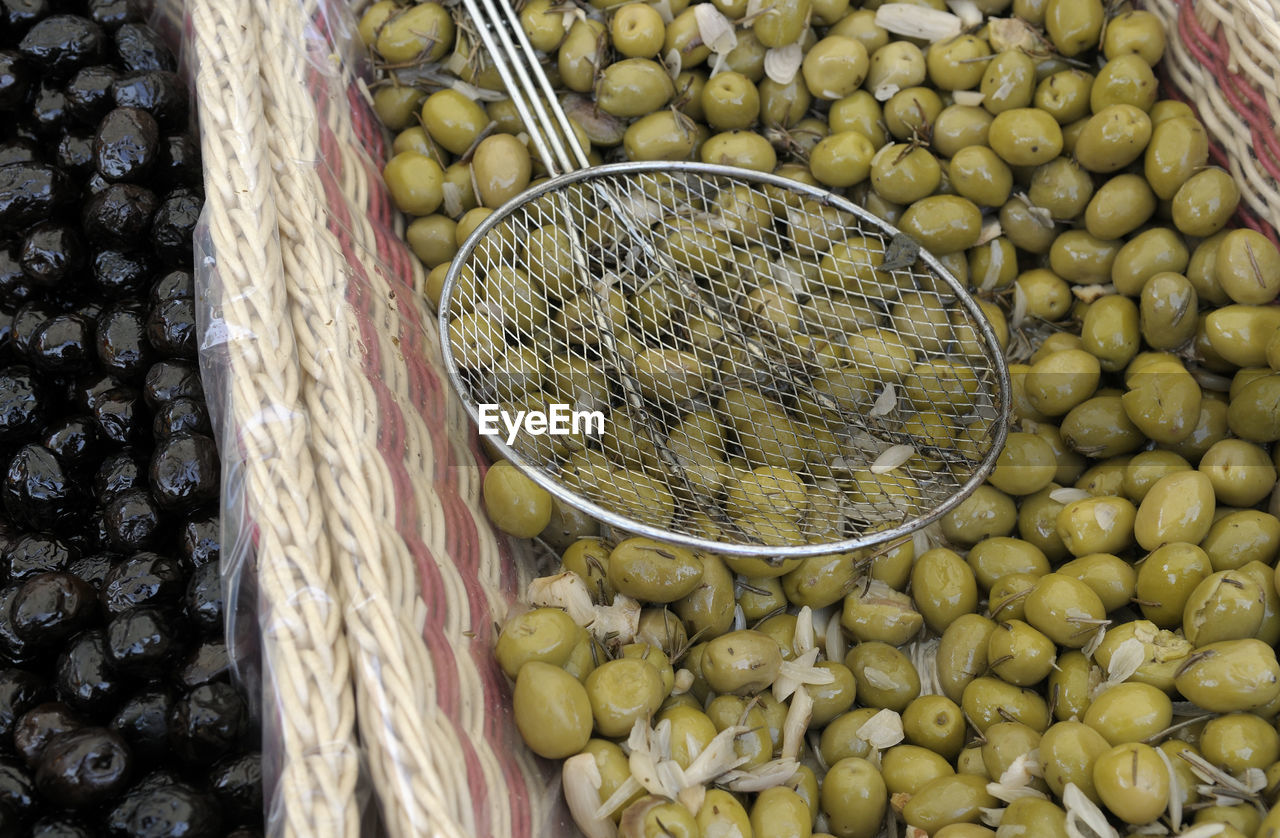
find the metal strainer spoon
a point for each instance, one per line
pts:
(779, 372)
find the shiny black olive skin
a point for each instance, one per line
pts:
(92, 569)
(75, 440)
(52, 606)
(122, 344)
(143, 579)
(165, 810)
(118, 273)
(110, 14)
(178, 163)
(207, 722)
(60, 826)
(118, 215)
(205, 663)
(133, 520)
(51, 253)
(17, 791)
(117, 473)
(23, 408)
(175, 285)
(85, 680)
(20, 690)
(31, 192)
(18, 150)
(35, 553)
(27, 320)
(15, 78)
(38, 725)
(75, 154)
(84, 768)
(173, 225)
(138, 641)
(203, 603)
(89, 92)
(184, 471)
(124, 147)
(15, 288)
(159, 91)
(23, 14)
(87, 391)
(237, 783)
(63, 345)
(60, 44)
(13, 650)
(38, 491)
(169, 380)
(50, 115)
(179, 416)
(171, 328)
(200, 541)
(141, 48)
(143, 720)
(121, 415)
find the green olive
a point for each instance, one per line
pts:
(1113, 137)
(894, 66)
(782, 23)
(1048, 296)
(552, 711)
(1038, 523)
(987, 512)
(1248, 267)
(943, 223)
(956, 63)
(653, 571)
(1166, 579)
(415, 181)
(902, 174)
(623, 691)
(1061, 381)
(1020, 654)
(1008, 82)
(860, 24)
(722, 812)
(1127, 80)
(1100, 427)
(854, 798)
(547, 635)
(909, 113)
(780, 811)
(988, 701)
(906, 768)
(943, 587)
(422, 32)
(962, 653)
(1070, 685)
(1230, 676)
(662, 135)
(1150, 253)
(978, 174)
(1168, 310)
(1064, 95)
(877, 612)
(1138, 33)
(1068, 751)
(730, 102)
(1241, 473)
(1025, 137)
(947, 800)
(453, 120)
(743, 149)
(1132, 782)
(862, 113)
(741, 662)
(1110, 577)
(1129, 712)
(830, 701)
(1179, 148)
(840, 739)
(1227, 605)
(1120, 206)
(1240, 741)
(633, 87)
(1210, 427)
(1254, 413)
(1205, 202)
(514, 503)
(1007, 598)
(936, 723)
(1080, 257)
(637, 31)
(1242, 537)
(1073, 27)
(708, 610)
(1064, 608)
(685, 37)
(885, 676)
(1179, 507)
(960, 126)
(1239, 334)
(842, 159)
(656, 816)
(835, 67)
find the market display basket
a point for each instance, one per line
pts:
(367, 579)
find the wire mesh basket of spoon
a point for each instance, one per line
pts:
(738, 362)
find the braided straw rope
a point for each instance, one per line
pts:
(310, 710)
(1222, 56)
(403, 520)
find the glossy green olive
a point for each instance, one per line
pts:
(988, 701)
(830, 701)
(1132, 782)
(1166, 579)
(1073, 26)
(1020, 654)
(948, 800)
(842, 159)
(1230, 676)
(977, 173)
(1129, 712)
(854, 798)
(956, 63)
(1254, 414)
(652, 816)
(1111, 331)
(1120, 206)
(936, 723)
(730, 102)
(622, 691)
(1178, 508)
(1099, 427)
(1164, 403)
(1150, 253)
(962, 653)
(1110, 577)
(943, 587)
(1240, 741)
(862, 113)
(1205, 202)
(909, 113)
(1167, 311)
(902, 174)
(1241, 472)
(660, 136)
(685, 37)
(885, 676)
(1064, 95)
(1061, 187)
(1227, 605)
(423, 32)
(1026, 228)
(545, 28)
(1248, 267)
(897, 64)
(653, 571)
(741, 662)
(633, 87)
(877, 612)
(1064, 608)
(721, 811)
(780, 811)
(1080, 257)
(960, 126)
(1009, 81)
(1025, 137)
(547, 635)
(1061, 381)
(987, 512)
(1113, 138)
(840, 739)
(835, 67)
(1240, 334)
(1138, 33)
(1070, 685)
(1179, 148)
(782, 23)
(1242, 537)
(1127, 80)
(552, 711)
(415, 182)
(1068, 751)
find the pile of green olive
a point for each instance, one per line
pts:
(1088, 641)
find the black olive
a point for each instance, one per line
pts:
(18, 150)
(13, 649)
(75, 440)
(119, 472)
(173, 226)
(171, 328)
(95, 185)
(237, 783)
(119, 273)
(38, 492)
(16, 789)
(203, 604)
(14, 285)
(143, 579)
(143, 720)
(38, 725)
(32, 553)
(205, 663)
(139, 640)
(141, 48)
(184, 471)
(112, 13)
(6, 332)
(15, 79)
(60, 44)
(159, 91)
(121, 415)
(84, 767)
(52, 606)
(23, 404)
(49, 111)
(92, 569)
(175, 285)
(85, 392)
(64, 344)
(200, 541)
(179, 415)
(170, 810)
(119, 214)
(85, 679)
(242, 832)
(31, 192)
(22, 14)
(122, 344)
(61, 826)
(89, 92)
(50, 253)
(178, 162)
(75, 154)
(169, 380)
(132, 520)
(124, 146)
(20, 690)
(27, 320)
(207, 722)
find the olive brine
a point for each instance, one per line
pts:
(1086, 645)
(117, 713)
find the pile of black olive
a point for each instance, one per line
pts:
(117, 711)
